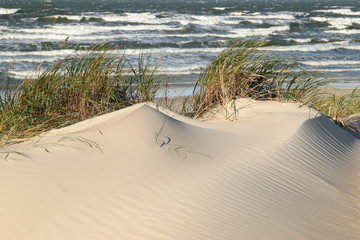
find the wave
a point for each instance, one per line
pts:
(8, 11)
(129, 51)
(23, 74)
(299, 40)
(315, 47)
(97, 33)
(341, 11)
(183, 70)
(176, 70)
(212, 20)
(336, 70)
(37, 53)
(168, 18)
(337, 23)
(331, 63)
(93, 29)
(83, 32)
(146, 17)
(237, 33)
(190, 69)
(68, 19)
(60, 37)
(267, 16)
(344, 31)
(250, 32)
(183, 19)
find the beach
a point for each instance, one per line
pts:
(248, 170)
(204, 120)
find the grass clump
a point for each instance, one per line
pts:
(243, 70)
(340, 108)
(74, 89)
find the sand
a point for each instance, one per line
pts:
(270, 171)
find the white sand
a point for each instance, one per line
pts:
(276, 172)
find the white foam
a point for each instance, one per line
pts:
(188, 69)
(237, 33)
(21, 74)
(341, 11)
(184, 19)
(300, 40)
(177, 70)
(51, 37)
(29, 59)
(330, 63)
(344, 31)
(336, 70)
(70, 17)
(237, 14)
(277, 15)
(146, 17)
(29, 19)
(255, 21)
(87, 30)
(202, 20)
(212, 20)
(82, 32)
(278, 18)
(248, 32)
(63, 52)
(314, 47)
(175, 50)
(6, 11)
(337, 23)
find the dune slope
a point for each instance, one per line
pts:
(276, 172)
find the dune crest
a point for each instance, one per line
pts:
(276, 171)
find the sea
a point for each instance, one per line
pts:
(182, 36)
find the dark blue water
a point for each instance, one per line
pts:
(182, 35)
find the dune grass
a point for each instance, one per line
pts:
(340, 108)
(243, 70)
(99, 81)
(73, 89)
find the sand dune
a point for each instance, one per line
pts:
(276, 171)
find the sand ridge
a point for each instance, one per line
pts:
(271, 171)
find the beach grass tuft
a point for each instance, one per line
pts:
(340, 108)
(73, 89)
(244, 70)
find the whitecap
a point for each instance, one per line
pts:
(237, 33)
(249, 32)
(344, 31)
(273, 15)
(330, 63)
(5, 11)
(341, 11)
(177, 70)
(299, 40)
(81, 31)
(212, 20)
(337, 23)
(69, 17)
(336, 70)
(145, 17)
(315, 47)
(63, 52)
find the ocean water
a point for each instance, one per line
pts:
(182, 36)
